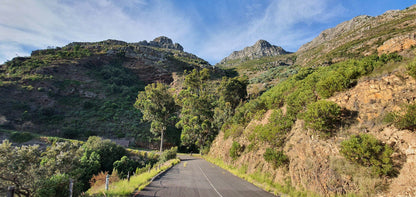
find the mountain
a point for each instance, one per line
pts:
(392, 31)
(85, 89)
(260, 49)
(338, 120)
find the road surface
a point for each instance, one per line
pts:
(195, 177)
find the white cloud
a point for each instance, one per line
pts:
(284, 23)
(38, 23)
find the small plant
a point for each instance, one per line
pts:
(411, 69)
(236, 150)
(366, 150)
(276, 158)
(405, 121)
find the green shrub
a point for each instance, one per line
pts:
(236, 150)
(20, 137)
(366, 150)
(276, 158)
(322, 116)
(275, 131)
(125, 165)
(169, 154)
(57, 185)
(405, 121)
(411, 69)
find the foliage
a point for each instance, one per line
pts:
(196, 116)
(168, 154)
(276, 158)
(158, 107)
(406, 120)
(62, 158)
(98, 180)
(322, 116)
(233, 90)
(20, 137)
(366, 150)
(236, 150)
(107, 151)
(57, 185)
(125, 166)
(411, 68)
(137, 182)
(274, 132)
(98, 155)
(20, 167)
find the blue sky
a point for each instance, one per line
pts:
(211, 29)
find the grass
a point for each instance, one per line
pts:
(261, 180)
(136, 183)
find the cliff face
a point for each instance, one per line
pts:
(260, 49)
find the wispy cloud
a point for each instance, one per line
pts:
(285, 23)
(38, 24)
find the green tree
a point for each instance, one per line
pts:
(196, 117)
(158, 106)
(20, 167)
(233, 90)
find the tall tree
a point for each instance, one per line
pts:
(196, 115)
(158, 106)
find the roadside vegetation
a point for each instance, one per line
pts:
(47, 172)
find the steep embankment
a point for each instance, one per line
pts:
(86, 89)
(273, 138)
(316, 164)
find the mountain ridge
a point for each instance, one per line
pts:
(261, 48)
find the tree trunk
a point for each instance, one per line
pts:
(161, 142)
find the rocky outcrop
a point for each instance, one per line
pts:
(162, 42)
(398, 44)
(260, 49)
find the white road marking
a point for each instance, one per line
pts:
(210, 182)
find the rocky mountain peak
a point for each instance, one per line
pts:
(162, 42)
(260, 49)
(262, 44)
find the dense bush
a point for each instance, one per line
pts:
(322, 116)
(235, 150)
(126, 166)
(57, 185)
(366, 150)
(169, 154)
(276, 158)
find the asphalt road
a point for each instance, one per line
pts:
(195, 177)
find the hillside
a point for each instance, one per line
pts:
(342, 123)
(85, 89)
(392, 31)
(264, 64)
